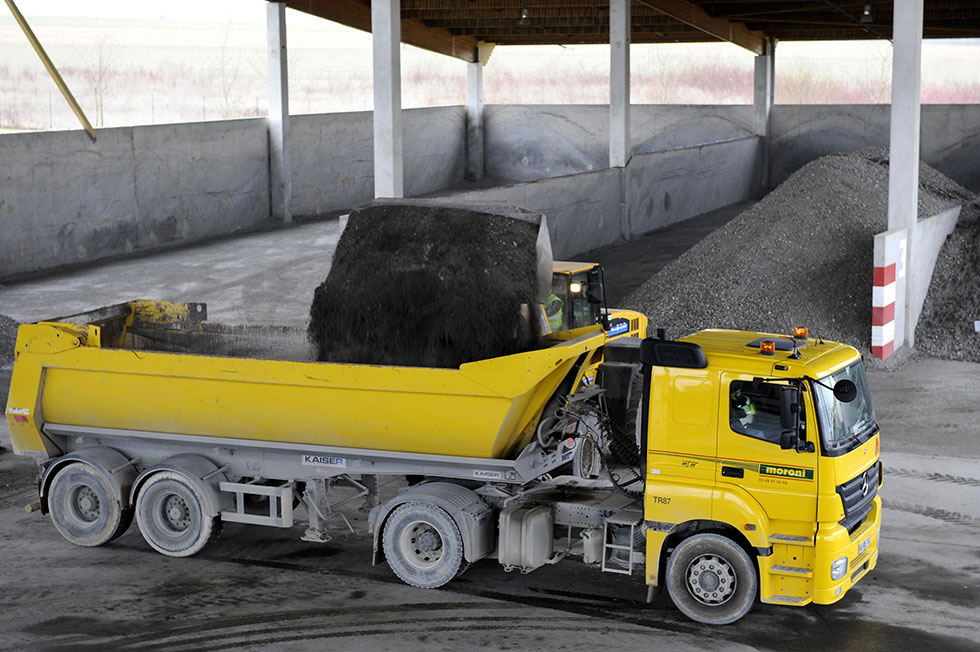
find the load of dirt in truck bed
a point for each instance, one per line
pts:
(801, 256)
(429, 283)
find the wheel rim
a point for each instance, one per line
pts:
(84, 504)
(176, 513)
(421, 545)
(710, 580)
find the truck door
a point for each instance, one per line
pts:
(783, 482)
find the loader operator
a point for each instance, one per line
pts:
(554, 309)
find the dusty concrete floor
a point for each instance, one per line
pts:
(264, 589)
(259, 278)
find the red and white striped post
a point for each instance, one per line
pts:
(883, 312)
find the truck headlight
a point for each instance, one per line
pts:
(838, 569)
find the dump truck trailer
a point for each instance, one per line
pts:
(727, 466)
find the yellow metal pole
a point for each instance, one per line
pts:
(59, 82)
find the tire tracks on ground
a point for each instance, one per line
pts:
(933, 477)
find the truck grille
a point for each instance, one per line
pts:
(857, 494)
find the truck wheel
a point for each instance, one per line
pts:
(423, 545)
(711, 579)
(83, 506)
(172, 516)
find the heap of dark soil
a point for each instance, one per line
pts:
(946, 326)
(425, 283)
(801, 256)
(8, 338)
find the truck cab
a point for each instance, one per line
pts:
(762, 452)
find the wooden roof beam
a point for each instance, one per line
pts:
(698, 18)
(357, 14)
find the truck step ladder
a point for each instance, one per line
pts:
(280, 503)
(631, 517)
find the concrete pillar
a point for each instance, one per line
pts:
(619, 83)
(903, 170)
(280, 179)
(475, 161)
(762, 108)
(386, 32)
(763, 94)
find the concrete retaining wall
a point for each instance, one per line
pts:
(332, 156)
(901, 280)
(687, 160)
(950, 136)
(675, 185)
(65, 199)
(584, 210)
(529, 142)
(930, 235)
(594, 209)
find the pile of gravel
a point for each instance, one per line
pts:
(801, 256)
(428, 283)
(946, 326)
(8, 338)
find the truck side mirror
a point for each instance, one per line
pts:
(789, 419)
(597, 290)
(787, 440)
(788, 408)
(845, 391)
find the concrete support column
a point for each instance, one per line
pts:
(619, 83)
(903, 170)
(475, 161)
(763, 94)
(386, 31)
(280, 179)
(763, 100)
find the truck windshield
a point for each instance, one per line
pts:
(844, 426)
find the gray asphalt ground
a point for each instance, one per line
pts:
(264, 589)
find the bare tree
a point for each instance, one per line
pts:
(98, 75)
(660, 83)
(229, 63)
(878, 69)
(805, 84)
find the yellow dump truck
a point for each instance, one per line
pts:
(727, 466)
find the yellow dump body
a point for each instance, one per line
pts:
(139, 366)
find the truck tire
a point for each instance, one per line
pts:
(711, 579)
(423, 545)
(83, 506)
(172, 517)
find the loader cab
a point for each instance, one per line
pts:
(577, 296)
(578, 299)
